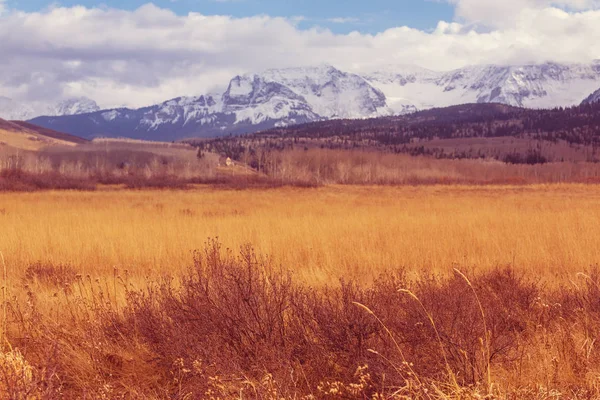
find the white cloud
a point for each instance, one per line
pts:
(343, 20)
(502, 13)
(148, 55)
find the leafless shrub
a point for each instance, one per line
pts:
(237, 323)
(371, 167)
(471, 337)
(19, 180)
(241, 315)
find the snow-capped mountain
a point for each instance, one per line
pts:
(251, 102)
(281, 97)
(14, 110)
(592, 98)
(332, 93)
(73, 106)
(532, 86)
(256, 100)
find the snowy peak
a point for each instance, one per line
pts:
(181, 110)
(14, 110)
(535, 86)
(274, 98)
(253, 90)
(401, 75)
(255, 100)
(247, 100)
(74, 106)
(332, 93)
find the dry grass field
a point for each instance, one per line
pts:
(321, 233)
(29, 140)
(22, 136)
(106, 298)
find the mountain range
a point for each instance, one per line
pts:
(14, 110)
(283, 97)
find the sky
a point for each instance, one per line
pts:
(135, 53)
(370, 16)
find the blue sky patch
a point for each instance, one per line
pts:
(371, 16)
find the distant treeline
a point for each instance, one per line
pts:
(575, 126)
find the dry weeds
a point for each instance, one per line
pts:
(549, 231)
(427, 292)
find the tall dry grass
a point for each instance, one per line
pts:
(549, 230)
(235, 325)
(429, 292)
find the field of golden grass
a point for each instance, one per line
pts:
(88, 312)
(28, 140)
(321, 233)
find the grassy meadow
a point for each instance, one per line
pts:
(321, 233)
(428, 292)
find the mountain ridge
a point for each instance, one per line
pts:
(593, 98)
(283, 97)
(14, 110)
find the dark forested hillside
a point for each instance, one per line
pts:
(466, 131)
(580, 125)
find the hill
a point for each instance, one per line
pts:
(467, 131)
(27, 136)
(51, 133)
(579, 124)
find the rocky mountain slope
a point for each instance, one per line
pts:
(283, 97)
(73, 106)
(532, 86)
(593, 98)
(251, 102)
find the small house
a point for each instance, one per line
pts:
(225, 161)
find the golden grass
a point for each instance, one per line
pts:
(29, 140)
(103, 337)
(322, 234)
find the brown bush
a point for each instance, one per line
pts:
(241, 316)
(470, 336)
(161, 167)
(237, 323)
(18, 180)
(371, 167)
